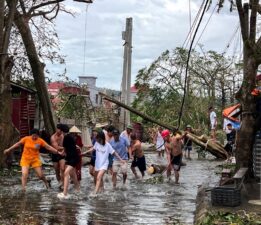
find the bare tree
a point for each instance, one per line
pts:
(6, 63)
(25, 18)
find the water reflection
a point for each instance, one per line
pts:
(137, 203)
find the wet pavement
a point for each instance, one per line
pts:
(136, 203)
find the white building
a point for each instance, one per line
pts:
(90, 82)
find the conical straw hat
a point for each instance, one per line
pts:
(150, 170)
(74, 129)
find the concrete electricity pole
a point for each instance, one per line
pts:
(126, 77)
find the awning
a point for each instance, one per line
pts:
(232, 113)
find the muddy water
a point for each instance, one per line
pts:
(137, 203)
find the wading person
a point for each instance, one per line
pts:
(109, 138)
(103, 149)
(31, 155)
(72, 158)
(78, 140)
(127, 133)
(137, 155)
(58, 160)
(93, 154)
(173, 147)
(121, 146)
(159, 142)
(188, 142)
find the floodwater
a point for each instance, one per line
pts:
(137, 203)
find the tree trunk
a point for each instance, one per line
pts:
(37, 70)
(8, 134)
(245, 136)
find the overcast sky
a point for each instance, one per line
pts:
(157, 25)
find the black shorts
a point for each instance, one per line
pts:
(57, 157)
(72, 162)
(140, 163)
(110, 160)
(176, 161)
(188, 147)
(92, 162)
(72, 159)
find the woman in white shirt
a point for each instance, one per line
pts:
(103, 149)
(159, 142)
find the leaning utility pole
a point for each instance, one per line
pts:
(126, 77)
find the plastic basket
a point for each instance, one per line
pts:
(225, 196)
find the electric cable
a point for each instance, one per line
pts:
(85, 37)
(187, 63)
(193, 26)
(206, 25)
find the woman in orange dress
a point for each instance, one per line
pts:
(31, 156)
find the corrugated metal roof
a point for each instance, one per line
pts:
(19, 86)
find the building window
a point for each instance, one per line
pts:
(101, 101)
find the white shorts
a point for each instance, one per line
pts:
(104, 167)
(118, 166)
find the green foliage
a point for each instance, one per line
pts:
(210, 82)
(224, 218)
(72, 107)
(155, 180)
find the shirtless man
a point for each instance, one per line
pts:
(58, 160)
(173, 146)
(139, 158)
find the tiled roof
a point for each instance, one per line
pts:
(134, 89)
(55, 85)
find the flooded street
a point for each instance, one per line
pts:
(137, 203)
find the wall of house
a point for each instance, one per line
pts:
(90, 82)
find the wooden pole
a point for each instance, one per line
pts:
(128, 72)
(124, 75)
